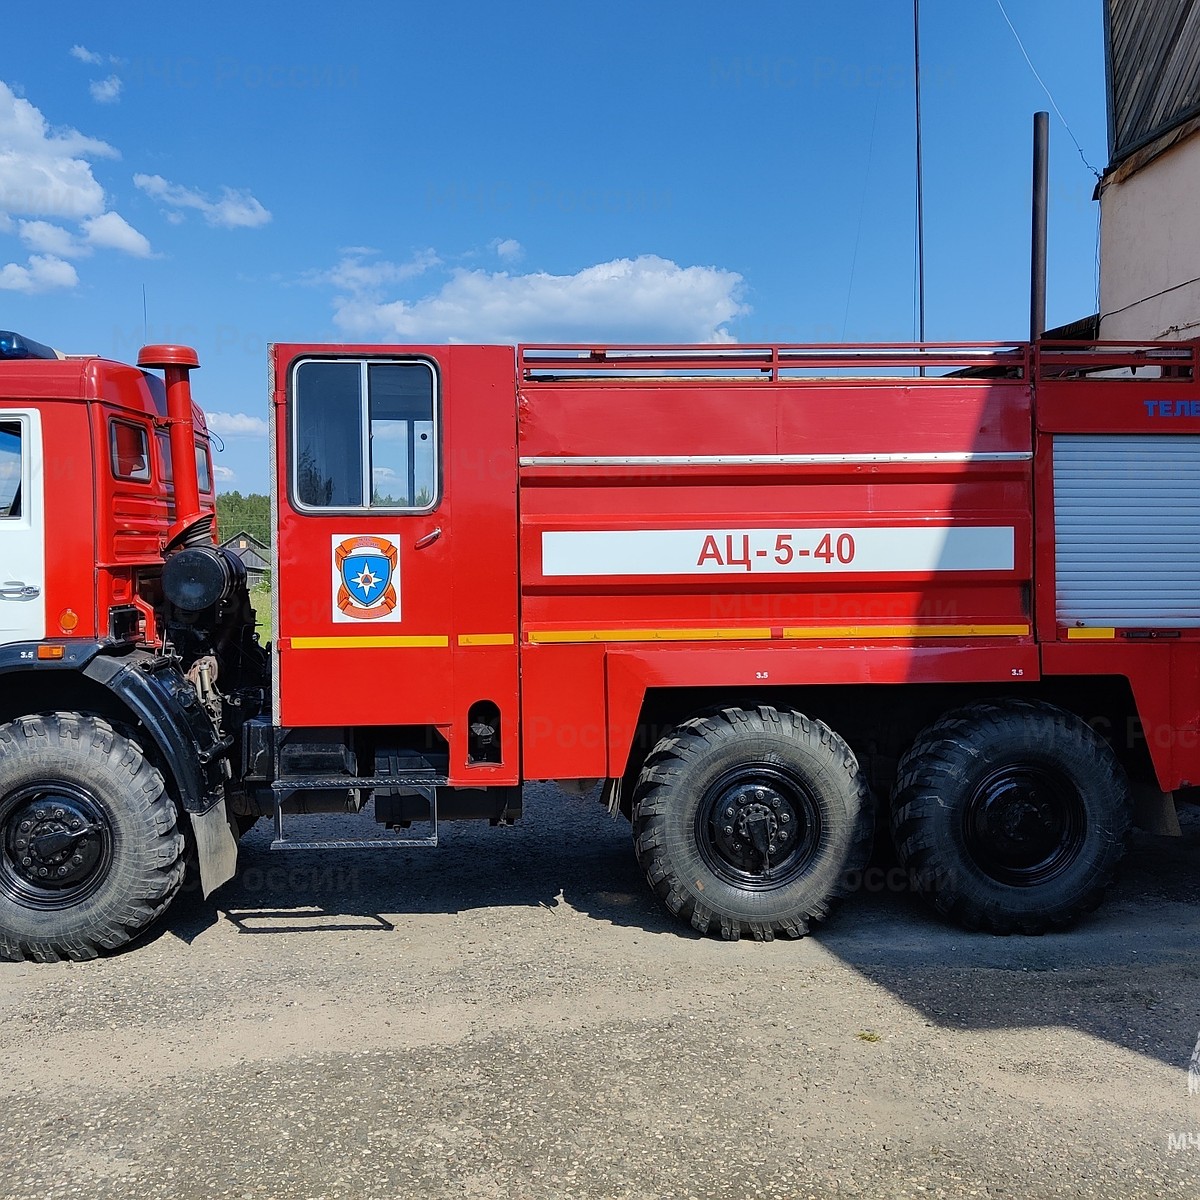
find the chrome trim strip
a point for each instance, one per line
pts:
(776, 460)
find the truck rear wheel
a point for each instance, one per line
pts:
(89, 848)
(1011, 817)
(751, 821)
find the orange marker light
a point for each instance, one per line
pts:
(67, 620)
(51, 651)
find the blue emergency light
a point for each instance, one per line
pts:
(13, 345)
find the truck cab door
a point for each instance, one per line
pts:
(22, 528)
(396, 583)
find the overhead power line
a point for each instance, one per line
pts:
(1042, 84)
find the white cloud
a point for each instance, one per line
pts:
(641, 299)
(355, 274)
(85, 55)
(236, 424)
(508, 249)
(50, 239)
(46, 172)
(223, 474)
(234, 210)
(43, 274)
(110, 231)
(106, 91)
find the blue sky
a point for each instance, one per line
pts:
(652, 171)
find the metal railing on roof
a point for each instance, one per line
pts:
(1068, 360)
(550, 362)
(736, 362)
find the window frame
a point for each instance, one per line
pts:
(148, 477)
(165, 467)
(22, 434)
(205, 469)
(364, 362)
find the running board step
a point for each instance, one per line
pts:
(332, 783)
(426, 785)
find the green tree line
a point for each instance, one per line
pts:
(236, 512)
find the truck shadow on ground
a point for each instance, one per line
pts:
(564, 851)
(1127, 974)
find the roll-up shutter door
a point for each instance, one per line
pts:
(1127, 530)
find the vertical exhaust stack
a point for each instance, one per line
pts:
(1037, 266)
(176, 362)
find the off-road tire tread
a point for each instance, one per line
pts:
(921, 781)
(154, 875)
(653, 797)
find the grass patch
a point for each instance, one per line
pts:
(260, 597)
(869, 1035)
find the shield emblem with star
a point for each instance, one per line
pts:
(366, 571)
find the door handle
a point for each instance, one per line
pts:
(14, 589)
(429, 538)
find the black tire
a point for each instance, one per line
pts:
(1011, 816)
(775, 770)
(90, 852)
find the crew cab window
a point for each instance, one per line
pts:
(203, 469)
(129, 446)
(10, 469)
(203, 466)
(365, 435)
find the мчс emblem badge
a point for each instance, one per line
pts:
(366, 576)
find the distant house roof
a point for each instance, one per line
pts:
(1152, 55)
(254, 554)
(1085, 329)
(244, 541)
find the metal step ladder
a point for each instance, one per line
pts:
(424, 783)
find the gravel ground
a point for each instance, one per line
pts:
(513, 1016)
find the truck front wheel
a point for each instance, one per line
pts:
(1011, 816)
(89, 848)
(751, 820)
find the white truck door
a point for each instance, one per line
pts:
(22, 528)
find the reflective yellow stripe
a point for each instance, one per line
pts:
(1093, 634)
(369, 642)
(649, 635)
(833, 632)
(807, 632)
(906, 631)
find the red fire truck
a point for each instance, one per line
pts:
(769, 596)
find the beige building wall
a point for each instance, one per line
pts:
(1150, 248)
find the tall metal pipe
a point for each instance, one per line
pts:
(1037, 266)
(176, 362)
(920, 175)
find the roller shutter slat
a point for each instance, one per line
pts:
(1127, 530)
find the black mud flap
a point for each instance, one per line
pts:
(216, 847)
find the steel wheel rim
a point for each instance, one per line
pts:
(1024, 825)
(56, 844)
(758, 827)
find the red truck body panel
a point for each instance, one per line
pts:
(619, 520)
(453, 641)
(779, 467)
(1161, 661)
